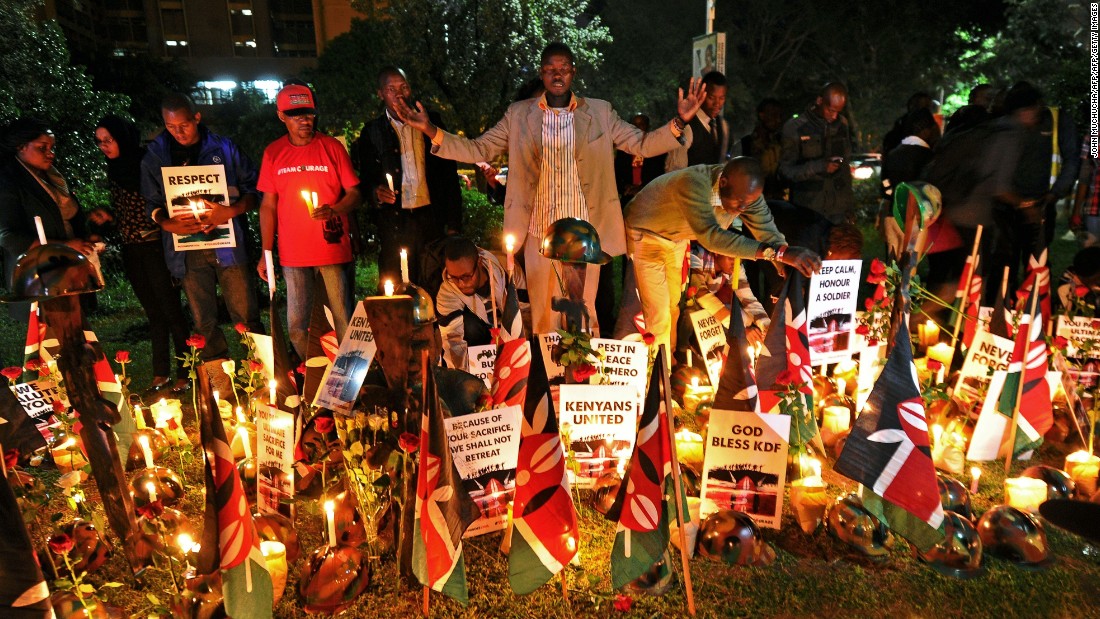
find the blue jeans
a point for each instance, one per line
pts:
(204, 275)
(337, 281)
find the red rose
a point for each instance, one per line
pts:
(33, 365)
(241, 328)
(255, 366)
(623, 602)
(1060, 342)
(934, 366)
(880, 293)
(299, 453)
(12, 373)
(863, 329)
(583, 371)
(301, 369)
(11, 458)
(60, 543)
(196, 341)
(1081, 291)
(648, 338)
(122, 356)
(872, 342)
(151, 511)
(324, 425)
(1096, 325)
(869, 304)
(878, 272)
(691, 291)
(58, 407)
(1022, 294)
(408, 442)
(786, 378)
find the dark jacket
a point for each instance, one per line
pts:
(378, 152)
(21, 199)
(904, 164)
(808, 144)
(703, 148)
(240, 179)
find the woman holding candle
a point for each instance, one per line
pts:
(30, 187)
(142, 252)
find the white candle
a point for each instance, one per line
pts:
(152, 489)
(510, 247)
(388, 287)
(245, 442)
(389, 181)
(41, 230)
(194, 208)
(270, 272)
(840, 385)
(139, 418)
(695, 381)
(306, 199)
(272, 397)
(144, 442)
(330, 517)
(939, 375)
(240, 415)
(752, 356)
(975, 474)
(689, 357)
(216, 398)
(314, 203)
(404, 265)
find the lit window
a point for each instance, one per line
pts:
(246, 11)
(171, 43)
(251, 43)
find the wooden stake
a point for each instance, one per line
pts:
(966, 289)
(1020, 386)
(565, 587)
(666, 387)
(426, 594)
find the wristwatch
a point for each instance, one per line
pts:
(767, 252)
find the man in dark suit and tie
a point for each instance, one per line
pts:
(710, 132)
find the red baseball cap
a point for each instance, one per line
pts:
(295, 100)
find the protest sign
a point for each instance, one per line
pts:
(599, 424)
(712, 342)
(37, 397)
(265, 353)
(1083, 348)
(987, 353)
(344, 377)
(555, 372)
(185, 188)
(274, 460)
(624, 363)
(745, 466)
(831, 310)
(481, 361)
(485, 447)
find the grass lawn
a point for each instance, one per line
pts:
(812, 575)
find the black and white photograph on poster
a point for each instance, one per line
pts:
(831, 310)
(341, 382)
(185, 190)
(555, 372)
(37, 398)
(745, 465)
(987, 353)
(482, 360)
(712, 342)
(598, 425)
(274, 460)
(485, 447)
(708, 53)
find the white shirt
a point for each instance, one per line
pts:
(414, 183)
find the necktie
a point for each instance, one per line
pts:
(714, 131)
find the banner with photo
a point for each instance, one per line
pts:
(745, 466)
(831, 310)
(274, 461)
(712, 342)
(344, 377)
(185, 188)
(599, 424)
(485, 447)
(37, 398)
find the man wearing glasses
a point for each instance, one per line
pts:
(471, 300)
(309, 188)
(561, 152)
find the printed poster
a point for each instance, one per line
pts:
(274, 460)
(1085, 367)
(599, 424)
(831, 310)
(265, 353)
(708, 53)
(185, 187)
(555, 372)
(482, 361)
(342, 380)
(745, 466)
(36, 397)
(624, 363)
(485, 447)
(712, 342)
(987, 353)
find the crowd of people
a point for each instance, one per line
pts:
(656, 193)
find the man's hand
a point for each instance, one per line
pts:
(261, 266)
(687, 106)
(215, 215)
(806, 261)
(833, 165)
(417, 117)
(323, 212)
(384, 195)
(85, 247)
(184, 224)
(100, 216)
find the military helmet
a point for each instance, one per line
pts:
(656, 580)
(924, 197)
(960, 553)
(954, 495)
(735, 538)
(573, 240)
(423, 307)
(1015, 535)
(850, 522)
(52, 270)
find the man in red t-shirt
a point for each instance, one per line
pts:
(309, 188)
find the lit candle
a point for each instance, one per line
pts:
(1025, 493)
(975, 474)
(270, 272)
(389, 181)
(41, 230)
(840, 385)
(185, 542)
(1083, 469)
(246, 443)
(313, 201)
(309, 203)
(194, 208)
(139, 417)
(216, 398)
(835, 421)
(688, 352)
(510, 247)
(144, 442)
(752, 356)
(240, 415)
(272, 397)
(330, 517)
(151, 488)
(388, 287)
(937, 433)
(941, 352)
(930, 334)
(939, 375)
(404, 265)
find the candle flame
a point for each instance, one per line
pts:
(510, 243)
(185, 541)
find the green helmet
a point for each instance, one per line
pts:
(573, 240)
(423, 307)
(850, 522)
(52, 270)
(954, 495)
(735, 538)
(924, 197)
(960, 553)
(1015, 535)
(1059, 484)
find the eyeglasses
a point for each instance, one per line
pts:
(461, 279)
(106, 142)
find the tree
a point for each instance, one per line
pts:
(37, 79)
(145, 79)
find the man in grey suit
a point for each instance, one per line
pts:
(561, 151)
(700, 203)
